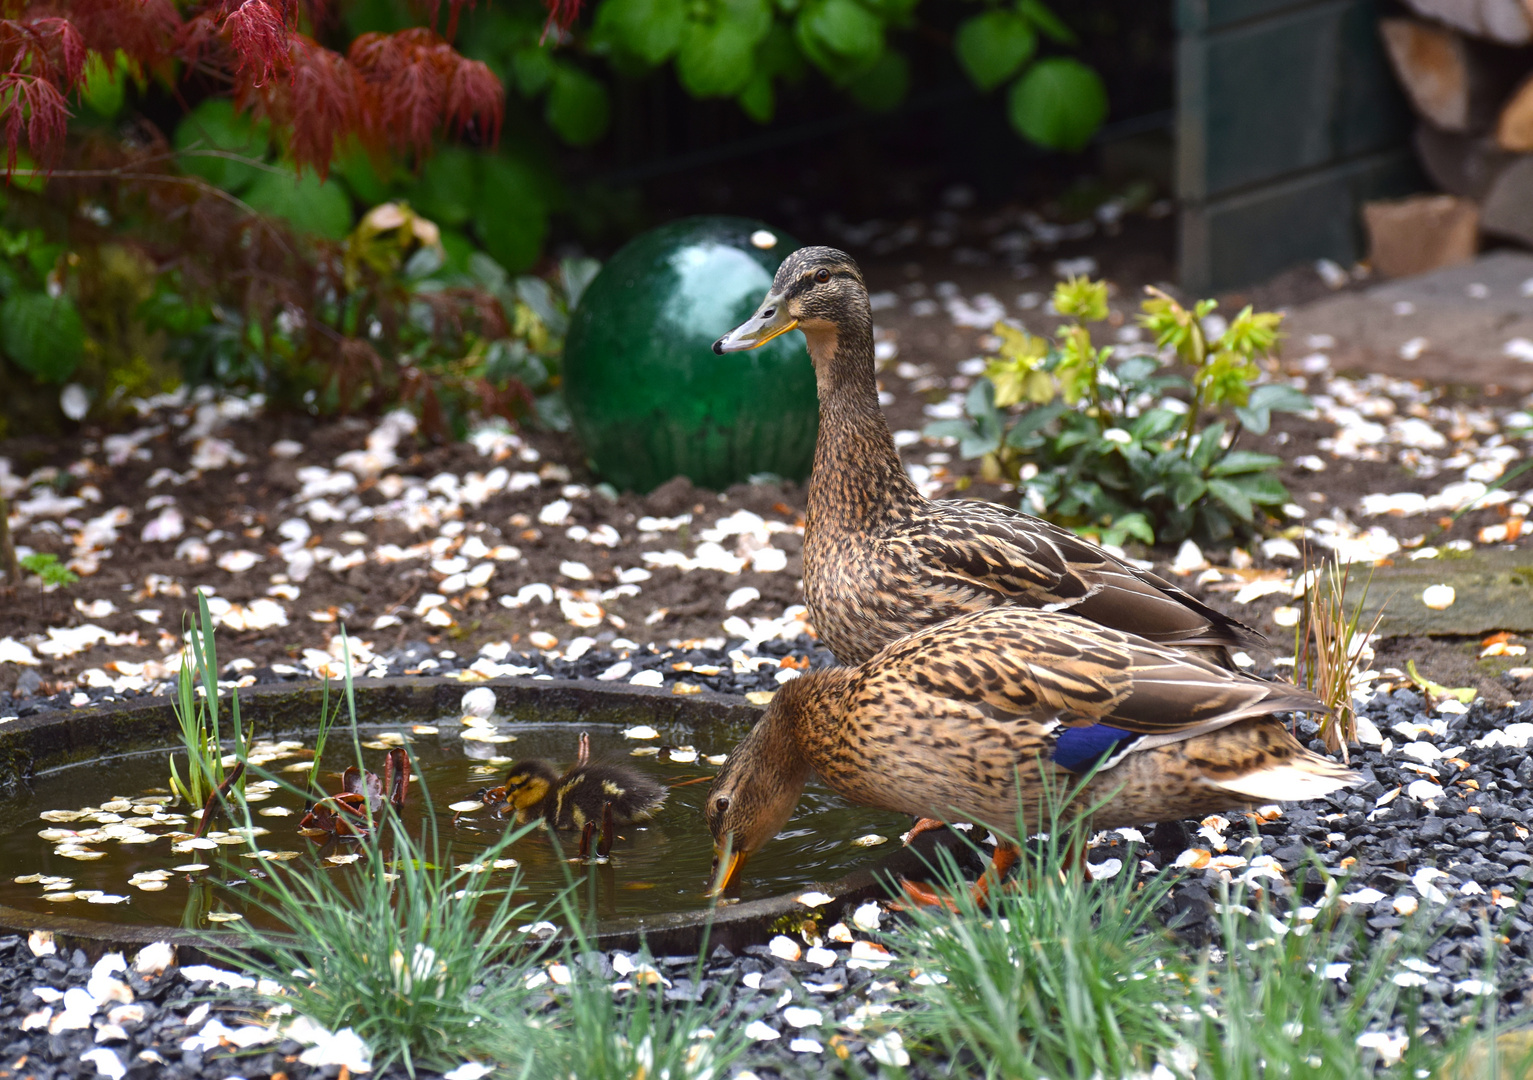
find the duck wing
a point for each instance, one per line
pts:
(968, 545)
(1037, 678)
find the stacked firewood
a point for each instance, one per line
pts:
(1467, 67)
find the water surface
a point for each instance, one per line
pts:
(662, 865)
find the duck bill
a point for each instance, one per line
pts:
(771, 320)
(728, 867)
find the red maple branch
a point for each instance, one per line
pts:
(259, 37)
(396, 92)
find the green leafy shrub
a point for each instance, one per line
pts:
(40, 327)
(744, 48)
(1104, 448)
(70, 316)
(204, 248)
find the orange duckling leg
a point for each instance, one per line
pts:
(587, 834)
(608, 830)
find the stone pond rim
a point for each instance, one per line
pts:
(57, 739)
(649, 398)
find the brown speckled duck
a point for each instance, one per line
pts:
(962, 722)
(881, 560)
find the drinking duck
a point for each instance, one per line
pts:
(976, 719)
(882, 560)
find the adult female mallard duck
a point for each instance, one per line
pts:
(587, 796)
(977, 718)
(881, 560)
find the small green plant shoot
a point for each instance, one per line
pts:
(1121, 450)
(47, 567)
(198, 714)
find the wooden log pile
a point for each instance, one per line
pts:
(1467, 67)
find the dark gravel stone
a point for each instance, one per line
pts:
(1488, 851)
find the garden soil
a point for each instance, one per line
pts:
(246, 504)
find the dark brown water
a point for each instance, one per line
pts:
(661, 865)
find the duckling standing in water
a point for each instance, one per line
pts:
(881, 560)
(979, 718)
(588, 796)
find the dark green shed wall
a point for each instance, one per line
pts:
(1288, 118)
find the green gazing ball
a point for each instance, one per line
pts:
(650, 399)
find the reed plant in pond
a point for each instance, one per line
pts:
(208, 769)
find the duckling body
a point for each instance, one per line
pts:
(881, 560)
(582, 795)
(977, 719)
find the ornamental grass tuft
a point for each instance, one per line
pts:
(1057, 977)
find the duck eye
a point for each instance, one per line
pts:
(822, 276)
(721, 804)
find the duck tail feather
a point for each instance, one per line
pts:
(1308, 777)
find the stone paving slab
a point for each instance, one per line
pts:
(1493, 590)
(1470, 324)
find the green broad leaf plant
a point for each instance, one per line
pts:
(1142, 447)
(49, 570)
(744, 49)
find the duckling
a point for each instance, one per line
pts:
(881, 560)
(586, 796)
(977, 719)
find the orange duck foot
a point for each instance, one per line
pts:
(925, 824)
(920, 894)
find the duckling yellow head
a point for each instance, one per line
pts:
(818, 290)
(527, 784)
(755, 792)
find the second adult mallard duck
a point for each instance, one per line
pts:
(881, 560)
(978, 718)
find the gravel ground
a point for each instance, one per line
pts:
(1438, 824)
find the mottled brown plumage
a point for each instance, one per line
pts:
(974, 719)
(881, 560)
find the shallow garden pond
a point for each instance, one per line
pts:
(104, 840)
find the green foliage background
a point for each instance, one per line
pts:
(88, 306)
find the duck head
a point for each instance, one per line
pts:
(818, 290)
(527, 784)
(755, 792)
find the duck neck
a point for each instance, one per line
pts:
(857, 470)
(809, 723)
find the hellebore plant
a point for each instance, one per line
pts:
(1120, 450)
